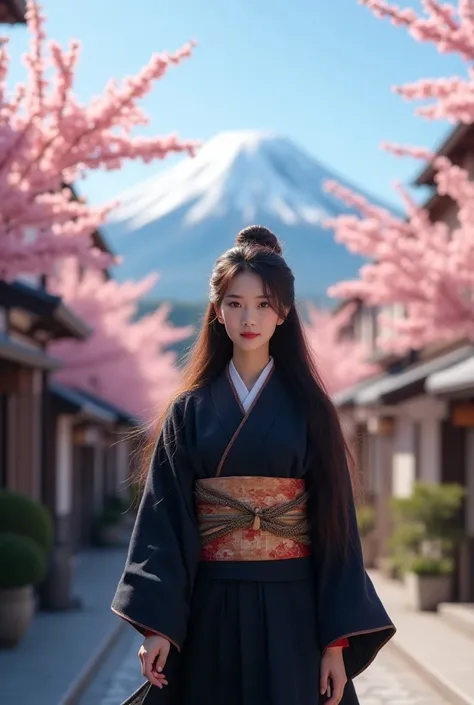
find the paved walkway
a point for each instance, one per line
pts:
(438, 651)
(60, 647)
(388, 681)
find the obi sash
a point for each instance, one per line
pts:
(252, 518)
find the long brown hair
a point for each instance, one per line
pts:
(257, 250)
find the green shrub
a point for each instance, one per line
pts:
(425, 565)
(432, 506)
(22, 561)
(22, 515)
(425, 530)
(365, 519)
(406, 537)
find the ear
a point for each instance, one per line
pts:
(282, 320)
(218, 314)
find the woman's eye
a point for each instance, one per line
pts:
(234, 304)
(264, 304)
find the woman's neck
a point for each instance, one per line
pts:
(249, 365)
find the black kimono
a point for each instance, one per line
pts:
(242, 633)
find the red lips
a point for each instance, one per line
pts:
(250, 336)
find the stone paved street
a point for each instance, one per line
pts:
(387, 682)
(119, 676)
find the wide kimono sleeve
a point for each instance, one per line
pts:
(348, 605)
(155, 589)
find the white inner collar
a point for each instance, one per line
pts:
(246, 396)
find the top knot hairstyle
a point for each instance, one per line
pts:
(258, 250)
(258, 236)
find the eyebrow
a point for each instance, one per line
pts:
(237, 296)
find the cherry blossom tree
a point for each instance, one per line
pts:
(451, 30)
(125, 360)
(341, 361)
(48, 139)
(426, 266)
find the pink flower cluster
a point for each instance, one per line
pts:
(426, 266)
(48, 140)
(125, 360)
(341, 360)
(451, 31)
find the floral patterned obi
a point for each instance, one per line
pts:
(252, 518)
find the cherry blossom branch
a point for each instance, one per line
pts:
(451, 31)
(341, 360)
(126, 358)
(48, 139)
(426, 266)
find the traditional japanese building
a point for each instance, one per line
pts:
(12, 11)
(415, 420)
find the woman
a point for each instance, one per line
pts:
(245, 572)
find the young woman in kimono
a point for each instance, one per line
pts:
(244, 570)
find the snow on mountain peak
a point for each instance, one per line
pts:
(239, 140)
(179, 221)
(248, 171)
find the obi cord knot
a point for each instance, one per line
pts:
(277, 519)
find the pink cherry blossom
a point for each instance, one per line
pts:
(48, 139)
(125, 360)
(451, 30)
(341, 361)
(426, 266)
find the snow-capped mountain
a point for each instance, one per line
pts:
(181, 220)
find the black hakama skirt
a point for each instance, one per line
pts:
(249, 642)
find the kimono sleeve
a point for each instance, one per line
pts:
(155, 589)
(348, 605)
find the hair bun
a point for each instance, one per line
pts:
(260, 236)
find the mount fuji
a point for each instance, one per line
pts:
(179, 221)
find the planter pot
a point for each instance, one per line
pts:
(56, 591)
(369, 550)
(17, 608)
(426, 592)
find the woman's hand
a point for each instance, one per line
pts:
(332, 666)
(153, 654)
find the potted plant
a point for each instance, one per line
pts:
(23, 566)
(426, 535)
(22, 515)
(428, 582)
(366, 525)
(403, 545)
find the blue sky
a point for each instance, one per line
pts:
(317, 71)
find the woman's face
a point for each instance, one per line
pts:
(246, 313)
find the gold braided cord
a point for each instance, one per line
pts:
(269, 517)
